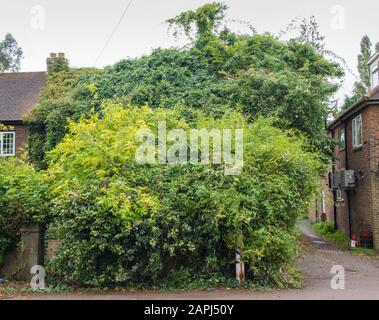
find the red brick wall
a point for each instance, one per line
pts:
(340, 164)
(22, 132)
(374, 171)
(364, 202)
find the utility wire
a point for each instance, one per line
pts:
(113, 32)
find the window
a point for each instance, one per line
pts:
(341, 139)
(374, 79)
(7, 144)
(357, 131)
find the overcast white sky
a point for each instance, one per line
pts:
(80, 28)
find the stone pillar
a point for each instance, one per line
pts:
(52, 248)
(31, 250)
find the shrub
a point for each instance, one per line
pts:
(22, 199)
(122, 222)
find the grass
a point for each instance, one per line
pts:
(326, 229)
(365, 252)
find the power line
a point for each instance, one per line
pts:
(113, 32)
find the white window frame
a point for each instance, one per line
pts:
(340, 148)
(1, 144)
(357, 139)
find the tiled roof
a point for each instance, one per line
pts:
(19, 92)
(371, 97)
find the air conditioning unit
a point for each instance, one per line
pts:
(347, 179)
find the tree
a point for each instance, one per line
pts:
(363, 58)
(10, 54)
(309, 33)
(219, 71)
(363, 84)
(206, 19)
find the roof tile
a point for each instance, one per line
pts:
(19, 92)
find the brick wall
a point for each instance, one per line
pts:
(364, 201)
(342, 213)
(374, 171)
(22, 132)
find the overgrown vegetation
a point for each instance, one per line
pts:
(219, 70)
(122, 222)
(22, 200)
(179, 225)
(327, 230)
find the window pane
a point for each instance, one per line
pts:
(357, 131)
(341, 139)
(7, 147)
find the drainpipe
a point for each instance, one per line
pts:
(334, 191)
(348, 191)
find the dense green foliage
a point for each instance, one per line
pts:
(218, 71)
(64, 97)
(122, 222)
(22, 199)
(10, 54)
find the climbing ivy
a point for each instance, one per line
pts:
(219, 70)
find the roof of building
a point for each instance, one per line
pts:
(19, 92)
(373, 57)
(372, 97)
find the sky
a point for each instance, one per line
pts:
(81, 28)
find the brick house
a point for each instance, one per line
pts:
(19, 92)
(350, 193)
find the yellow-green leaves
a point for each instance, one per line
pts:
(124, 220)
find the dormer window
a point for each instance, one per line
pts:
(374, 70)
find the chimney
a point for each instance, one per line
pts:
(57, 62)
